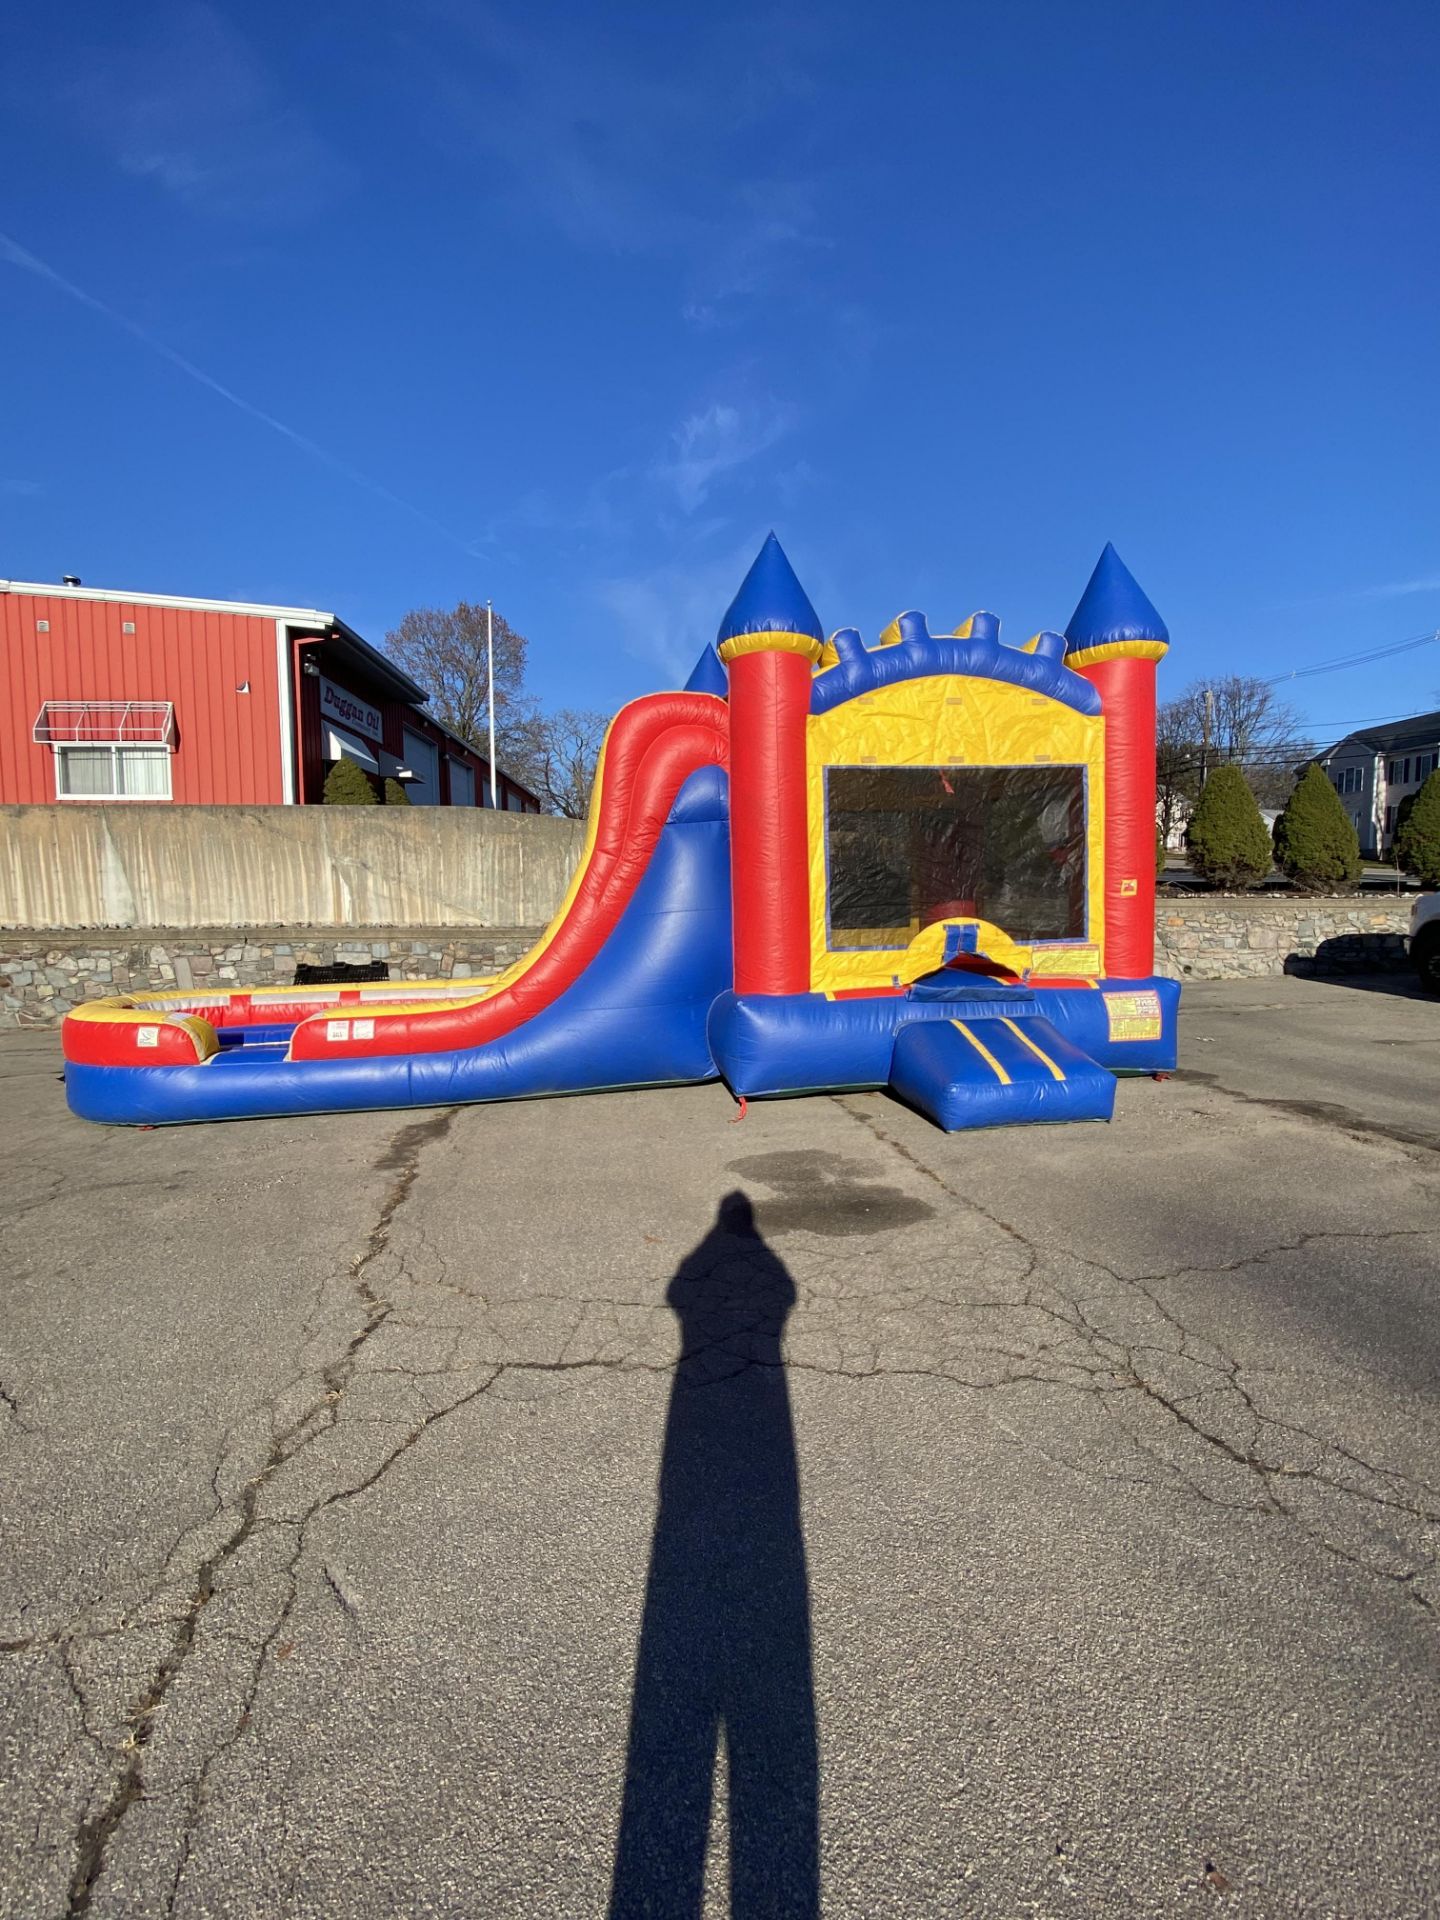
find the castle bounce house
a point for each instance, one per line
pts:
(927, 865)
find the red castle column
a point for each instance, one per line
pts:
(1115, 640)
(769, 641)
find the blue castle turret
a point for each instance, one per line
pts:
(770, 600)
(1114, 612)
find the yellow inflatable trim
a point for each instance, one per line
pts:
(1118, 650)
(771, 642)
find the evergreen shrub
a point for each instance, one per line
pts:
(1417, 842)
(1226, 837)
(1316, 845)
(348, 785)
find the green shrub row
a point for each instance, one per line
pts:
(1314, 845)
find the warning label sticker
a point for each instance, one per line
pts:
(148, 1037)
(337, 1029)
(1133, 1016)
(364, 1030)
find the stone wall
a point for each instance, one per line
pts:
(43, 975)
(1219, 937)
(1209, 938)
(200, 867)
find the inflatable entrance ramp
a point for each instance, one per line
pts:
(996, 1071)
(926, 864)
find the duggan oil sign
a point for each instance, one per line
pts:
(343, 708)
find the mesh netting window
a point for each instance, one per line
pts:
(907, 846)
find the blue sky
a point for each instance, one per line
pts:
(366, 306)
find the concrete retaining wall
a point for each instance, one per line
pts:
(195, 867)
(1217, 938)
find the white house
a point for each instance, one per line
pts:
(1374, 769)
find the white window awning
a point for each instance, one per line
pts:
(105, 723)
(344, 746)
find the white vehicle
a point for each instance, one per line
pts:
(1425, 940)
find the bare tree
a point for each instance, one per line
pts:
(444, 649)
(1234, 720)
(1177, 766)
(556, 755)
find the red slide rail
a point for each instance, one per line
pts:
(652, 748)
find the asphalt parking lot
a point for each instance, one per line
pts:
(467, 1513)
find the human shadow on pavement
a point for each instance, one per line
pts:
(724, 1654)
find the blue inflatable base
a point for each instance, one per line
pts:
(807, 1043)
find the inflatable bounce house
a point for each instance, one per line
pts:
(927, 865)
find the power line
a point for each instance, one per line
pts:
(1356, 659)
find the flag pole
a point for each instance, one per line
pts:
(490, 691)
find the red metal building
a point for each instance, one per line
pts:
(151, 697)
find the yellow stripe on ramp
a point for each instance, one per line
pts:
(1026, 1041)
(984, 1052)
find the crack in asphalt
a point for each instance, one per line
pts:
(1324, 1113)
(1027, 1331)
(97, 1831)
(1120, 1360)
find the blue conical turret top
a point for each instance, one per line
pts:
(1113, 608)
(770, 600)
(707, 675)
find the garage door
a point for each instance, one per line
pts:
(423, 759)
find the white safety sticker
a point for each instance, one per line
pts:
(337, 1029)
(1133, 1016)
(147, 1037)
(364, 1030)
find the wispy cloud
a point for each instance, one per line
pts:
(667, 614)
(767, 227)
(716, 441)
(543, 512)
(1402, 589)
(623, 160)
(13, 254)
(187, 105)
(1348, 596)
(22, 489)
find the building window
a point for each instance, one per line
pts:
(112, 773)
(1390, 771)
(1405, 776)
(1389, 819)
(108, 749)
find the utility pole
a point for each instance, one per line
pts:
(490, 692)
(1206, 727)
